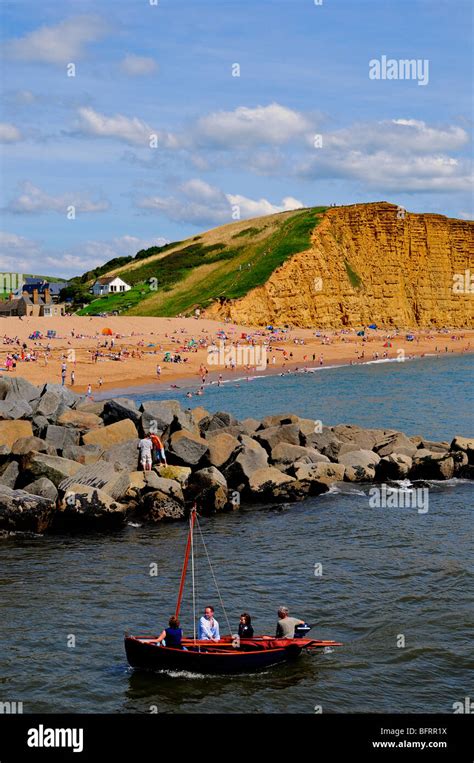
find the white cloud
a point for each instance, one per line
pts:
(199, 203)
(19, 254)
(9, 133)
(398, 135)
(127, 129)
(62, 43)
(394, 155)
(137, 66)
(33, 201)
(274, 124)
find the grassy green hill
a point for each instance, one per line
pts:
(223, 263)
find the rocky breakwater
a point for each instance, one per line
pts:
(68, 464)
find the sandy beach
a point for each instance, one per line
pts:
(121, 353)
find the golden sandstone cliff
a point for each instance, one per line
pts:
(370, 263)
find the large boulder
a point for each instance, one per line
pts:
(11, 431)
(77, 419)
(125, 454)
(42, 487)
(209, 489)
(435, 446)
(277, 420)
(284, 455)
(159, 507)
(55, 468)
(67, 395)
(395, 442)
(83, 454)
(250, 426)
(221, 448)
(111, 435)
(186, 448)
(21, 389)
(171, 488)
(22, 512)
(25, 445)
(40, 425)
(9, 475)
(119, 409)
(102, 476)
(87, 508)
(249, 458)
(61, 437)
(324, 441)
(184, 420)
(270, 437)
(157, 415)
(173, 472)
(360, 465)
(262, 482)
(15, 409)
(90, 406)
(50, 405)
(432, 466)
(219, 420)
(199, 413)
(320, 473)
(394, 467)
(355, 438)
(465, 444)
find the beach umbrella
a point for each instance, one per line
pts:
(373, 326)
(107, 332)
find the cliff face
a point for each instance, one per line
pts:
(366, 264)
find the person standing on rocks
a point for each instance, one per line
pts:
(159, 449)
(145, 446)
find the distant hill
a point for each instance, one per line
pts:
(326, 267)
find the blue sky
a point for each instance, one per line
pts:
(154, 139)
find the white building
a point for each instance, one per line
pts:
(109, 285)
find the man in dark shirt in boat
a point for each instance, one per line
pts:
(172, 635)
(286, 625)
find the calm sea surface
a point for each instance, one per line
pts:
(389, 576)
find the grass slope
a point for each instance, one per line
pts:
(225, 263)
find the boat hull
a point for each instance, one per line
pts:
(208, 657)
(205, 658)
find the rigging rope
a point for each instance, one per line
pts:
(194, 586)
(214, 577)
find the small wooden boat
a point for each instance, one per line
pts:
(229, 655)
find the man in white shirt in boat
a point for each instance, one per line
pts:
(208, 626)
(286, 625)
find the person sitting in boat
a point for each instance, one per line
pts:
(171, 636)
(286, 625)
(245, 626)
(208, 626)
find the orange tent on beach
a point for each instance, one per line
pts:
(107, 332)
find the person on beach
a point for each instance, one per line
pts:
(89, 391)
(73, 377)
(286, 625)
(208, 626)
(158, 449)
(171, 636)
(63, 374)
(245, 626)
(158, 371)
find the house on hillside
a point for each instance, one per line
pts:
(109, 285)
(35, 306)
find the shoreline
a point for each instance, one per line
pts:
(229, 377)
